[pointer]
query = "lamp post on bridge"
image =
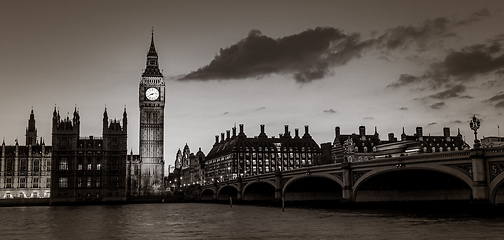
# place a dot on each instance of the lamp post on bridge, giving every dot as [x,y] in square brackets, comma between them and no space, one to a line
[475,124]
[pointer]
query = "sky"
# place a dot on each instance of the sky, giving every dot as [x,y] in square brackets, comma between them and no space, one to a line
[387,64]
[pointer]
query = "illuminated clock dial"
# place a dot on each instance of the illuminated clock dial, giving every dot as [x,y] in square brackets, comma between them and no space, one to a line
[152,94]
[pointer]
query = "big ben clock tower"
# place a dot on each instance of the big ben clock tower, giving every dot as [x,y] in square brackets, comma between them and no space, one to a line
[151,103]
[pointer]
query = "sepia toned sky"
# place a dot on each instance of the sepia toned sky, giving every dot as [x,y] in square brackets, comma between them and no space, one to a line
[386,63]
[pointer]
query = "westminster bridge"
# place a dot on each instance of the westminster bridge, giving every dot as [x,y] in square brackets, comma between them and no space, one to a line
[475,174]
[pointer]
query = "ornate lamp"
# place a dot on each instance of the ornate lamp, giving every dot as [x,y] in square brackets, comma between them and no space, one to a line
[475,124]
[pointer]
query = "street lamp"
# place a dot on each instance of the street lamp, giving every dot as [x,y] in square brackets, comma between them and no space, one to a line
[475,124]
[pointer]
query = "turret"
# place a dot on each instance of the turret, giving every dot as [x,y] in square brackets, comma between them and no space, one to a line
[31,131]
[125,121]
[105,121]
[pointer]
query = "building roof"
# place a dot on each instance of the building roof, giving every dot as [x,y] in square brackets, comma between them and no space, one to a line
[241,141]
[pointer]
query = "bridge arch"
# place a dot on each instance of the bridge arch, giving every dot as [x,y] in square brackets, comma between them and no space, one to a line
[226,192]
[259,190]
[411,176]
[207,194]
[313,187]
[493,188]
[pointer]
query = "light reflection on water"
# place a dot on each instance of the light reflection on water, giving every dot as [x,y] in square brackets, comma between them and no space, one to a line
[214,221]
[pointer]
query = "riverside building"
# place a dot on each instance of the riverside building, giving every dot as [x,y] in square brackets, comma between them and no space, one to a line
[88,169]
[26,170]
[237,155]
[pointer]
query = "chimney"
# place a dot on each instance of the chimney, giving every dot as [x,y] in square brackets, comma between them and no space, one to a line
[419,133]
[234,131]
[362,133]
[446,131]
[296,130]
[337,132]
[216,139]
[228,134]
[222,137]
[286,129]
[262,134]
[241,134]
[306,132]
[391,137]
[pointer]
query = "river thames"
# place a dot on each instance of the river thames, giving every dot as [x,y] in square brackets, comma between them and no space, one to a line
[218,221]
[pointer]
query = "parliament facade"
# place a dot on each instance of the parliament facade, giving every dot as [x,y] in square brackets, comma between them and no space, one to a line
[88,169]
[26,170]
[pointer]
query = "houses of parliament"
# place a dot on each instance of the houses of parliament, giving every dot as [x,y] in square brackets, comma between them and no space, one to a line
[86,169]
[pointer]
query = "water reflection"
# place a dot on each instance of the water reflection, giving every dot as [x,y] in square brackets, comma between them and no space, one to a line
[213,221]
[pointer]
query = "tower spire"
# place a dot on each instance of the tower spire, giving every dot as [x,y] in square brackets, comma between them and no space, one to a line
[152,67]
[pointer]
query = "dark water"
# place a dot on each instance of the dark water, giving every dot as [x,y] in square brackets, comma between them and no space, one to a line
[214,221]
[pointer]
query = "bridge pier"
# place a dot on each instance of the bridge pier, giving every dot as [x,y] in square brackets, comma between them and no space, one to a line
[348,195]
[240,190]
[480,182]
[216,190]
[278,185]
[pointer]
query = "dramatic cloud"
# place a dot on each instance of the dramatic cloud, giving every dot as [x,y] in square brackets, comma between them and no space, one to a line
[312,54]
[450,93]
[329,111]
[497,99]
[307,56]
[437,105]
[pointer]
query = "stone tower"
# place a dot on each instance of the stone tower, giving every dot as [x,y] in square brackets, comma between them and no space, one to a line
[151,103]
[31,131]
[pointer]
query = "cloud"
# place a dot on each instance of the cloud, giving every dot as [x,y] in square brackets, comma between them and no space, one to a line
[475,17]
[456,122]
[312,54]
[403,108]
[306,56]
[329,111]
[421,35]
[368,118]
[225,113]
[437,105]
[405,79]
[497,99]
[261,108]
[450,93]
[432,123]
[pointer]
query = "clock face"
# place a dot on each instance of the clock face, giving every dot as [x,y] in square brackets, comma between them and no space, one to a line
[152,94]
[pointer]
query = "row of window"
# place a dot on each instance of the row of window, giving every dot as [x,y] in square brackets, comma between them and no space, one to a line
[22,166]
[87,182]
[22,183]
